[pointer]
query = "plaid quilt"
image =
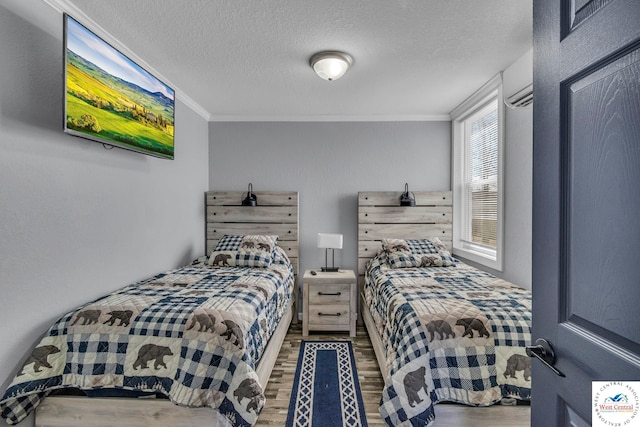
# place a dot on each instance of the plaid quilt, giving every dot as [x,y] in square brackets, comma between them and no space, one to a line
[193,334]
[453,334]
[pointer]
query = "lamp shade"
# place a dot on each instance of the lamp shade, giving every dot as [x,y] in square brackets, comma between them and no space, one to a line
[329,241]
[330,65]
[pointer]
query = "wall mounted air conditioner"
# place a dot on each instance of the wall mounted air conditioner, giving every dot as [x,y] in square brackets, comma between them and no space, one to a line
[522,98]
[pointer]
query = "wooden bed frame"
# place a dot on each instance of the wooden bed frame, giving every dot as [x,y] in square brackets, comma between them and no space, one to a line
[380,216]
[276,213]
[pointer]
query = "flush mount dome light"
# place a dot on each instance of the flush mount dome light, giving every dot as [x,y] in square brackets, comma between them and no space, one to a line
[330,65]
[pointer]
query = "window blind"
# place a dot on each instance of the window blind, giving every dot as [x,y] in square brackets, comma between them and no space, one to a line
[481,176]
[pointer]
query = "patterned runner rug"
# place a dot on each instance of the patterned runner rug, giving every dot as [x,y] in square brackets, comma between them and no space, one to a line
[326,391]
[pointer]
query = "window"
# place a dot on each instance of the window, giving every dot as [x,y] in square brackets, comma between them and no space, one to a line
[477,176]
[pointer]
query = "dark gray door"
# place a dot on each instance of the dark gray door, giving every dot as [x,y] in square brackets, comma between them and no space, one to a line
[586,202]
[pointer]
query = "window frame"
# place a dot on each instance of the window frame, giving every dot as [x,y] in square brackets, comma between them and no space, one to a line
[489,92]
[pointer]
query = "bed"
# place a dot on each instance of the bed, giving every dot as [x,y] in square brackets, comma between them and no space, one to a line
[194,345]
[442,330]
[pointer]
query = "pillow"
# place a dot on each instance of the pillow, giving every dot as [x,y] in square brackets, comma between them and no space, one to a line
[403,253]
[280,256]
[251,250]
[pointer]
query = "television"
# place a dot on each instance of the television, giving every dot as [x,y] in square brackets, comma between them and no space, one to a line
[110,99]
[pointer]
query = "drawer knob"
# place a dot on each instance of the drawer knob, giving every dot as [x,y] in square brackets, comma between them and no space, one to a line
[330,293]
[330,314]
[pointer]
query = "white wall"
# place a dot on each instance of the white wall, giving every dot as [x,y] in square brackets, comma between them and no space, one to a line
[518,182]
[76,220]
[328,163]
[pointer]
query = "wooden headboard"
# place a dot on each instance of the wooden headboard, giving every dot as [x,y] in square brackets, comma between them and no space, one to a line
[381,216]
[276,214]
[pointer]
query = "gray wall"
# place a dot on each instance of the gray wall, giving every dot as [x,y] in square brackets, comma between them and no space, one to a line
[328,163]
[518,176]
[71,211]
[76,220]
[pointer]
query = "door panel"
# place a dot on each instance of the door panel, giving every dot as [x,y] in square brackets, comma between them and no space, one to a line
[603,154]
[586,201]
[574,419]
[581,10]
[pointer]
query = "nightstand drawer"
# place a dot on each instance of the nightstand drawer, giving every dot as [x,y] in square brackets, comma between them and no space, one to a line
[329,294]
[329,314]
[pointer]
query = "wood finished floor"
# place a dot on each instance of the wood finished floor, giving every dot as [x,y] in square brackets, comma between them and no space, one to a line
[278,390]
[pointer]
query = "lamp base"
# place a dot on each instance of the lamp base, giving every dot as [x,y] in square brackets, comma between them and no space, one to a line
[330,269]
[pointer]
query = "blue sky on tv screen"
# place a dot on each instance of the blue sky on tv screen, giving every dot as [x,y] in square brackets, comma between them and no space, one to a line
[89,46]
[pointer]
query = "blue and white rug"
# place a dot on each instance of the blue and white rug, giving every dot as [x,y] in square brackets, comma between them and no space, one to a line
[326,391]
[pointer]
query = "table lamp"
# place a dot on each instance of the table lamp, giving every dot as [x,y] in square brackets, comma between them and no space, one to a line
[329,241]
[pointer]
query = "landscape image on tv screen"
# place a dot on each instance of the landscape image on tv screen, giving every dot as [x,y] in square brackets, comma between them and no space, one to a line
[112,100]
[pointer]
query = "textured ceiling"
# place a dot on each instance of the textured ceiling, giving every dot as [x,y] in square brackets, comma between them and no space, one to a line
[248,59]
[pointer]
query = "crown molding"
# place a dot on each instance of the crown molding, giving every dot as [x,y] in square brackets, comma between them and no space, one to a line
[483,92]
[332,118]
[64,6]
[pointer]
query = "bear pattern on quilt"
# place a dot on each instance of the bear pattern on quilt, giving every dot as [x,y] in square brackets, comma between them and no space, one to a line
[193,334]
[39,358]
[451,333]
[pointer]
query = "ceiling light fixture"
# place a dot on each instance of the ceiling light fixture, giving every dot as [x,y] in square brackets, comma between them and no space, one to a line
[330,65]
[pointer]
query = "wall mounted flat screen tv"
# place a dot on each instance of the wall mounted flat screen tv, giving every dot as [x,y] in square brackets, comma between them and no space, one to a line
[111,99]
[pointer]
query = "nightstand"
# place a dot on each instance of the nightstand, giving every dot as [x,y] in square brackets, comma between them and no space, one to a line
[329,301]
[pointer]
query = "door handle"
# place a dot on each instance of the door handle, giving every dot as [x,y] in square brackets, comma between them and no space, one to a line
[544,353]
